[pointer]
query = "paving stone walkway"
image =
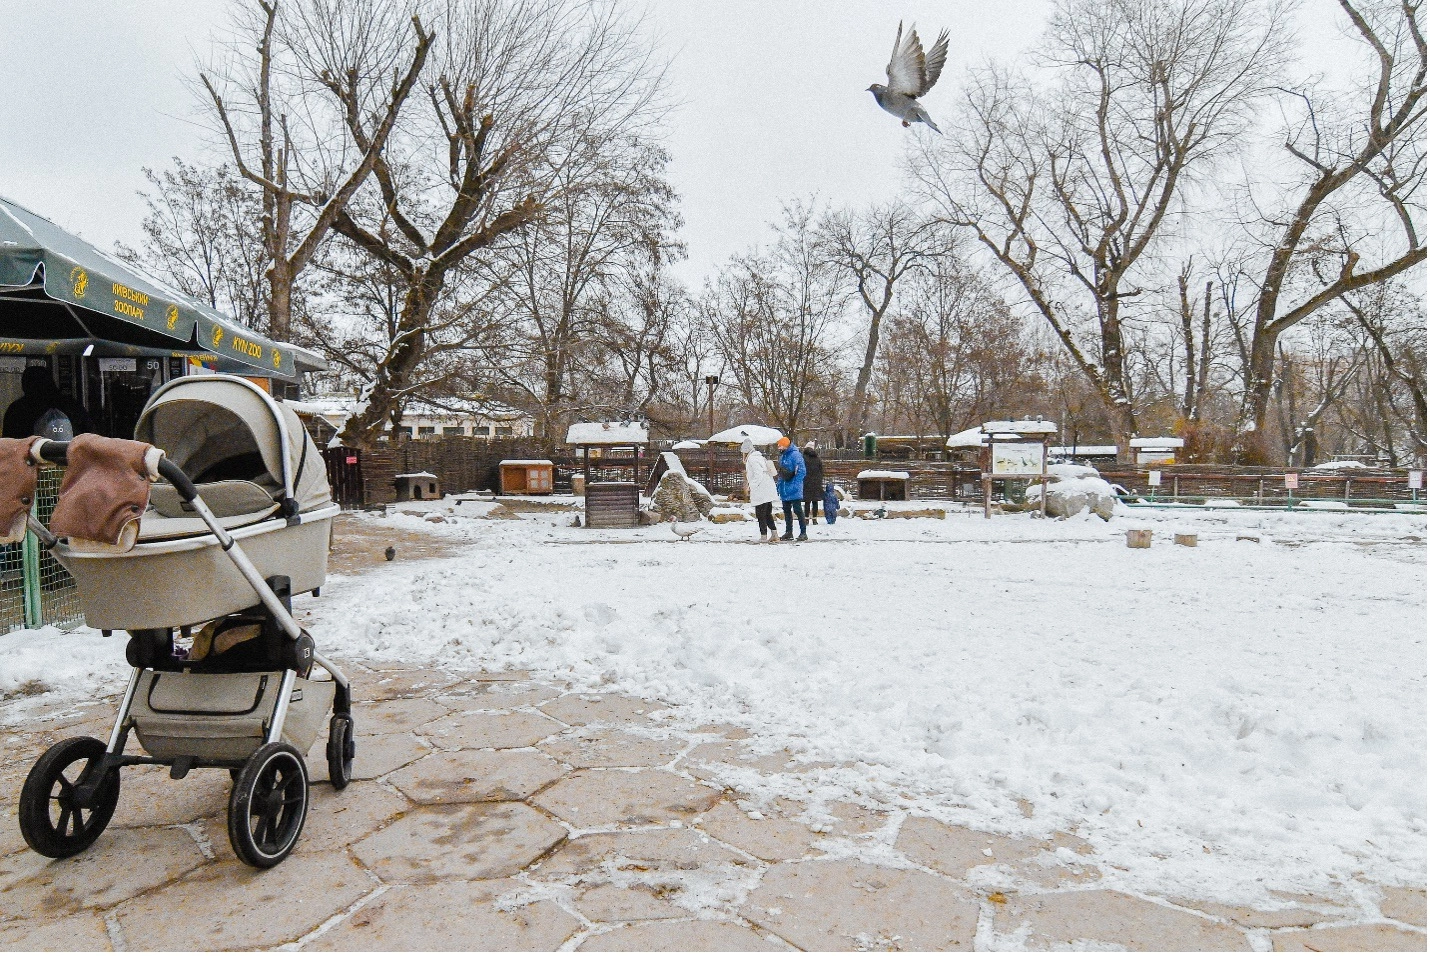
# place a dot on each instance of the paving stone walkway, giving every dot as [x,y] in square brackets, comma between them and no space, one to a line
[494,812]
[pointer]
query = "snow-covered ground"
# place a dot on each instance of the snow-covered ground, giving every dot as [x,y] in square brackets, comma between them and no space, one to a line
[1216,721]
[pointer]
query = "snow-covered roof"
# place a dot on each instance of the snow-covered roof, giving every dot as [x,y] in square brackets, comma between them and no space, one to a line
[1338,465]
[416,474]
[968,438]
[607,433]
[1159,443]
[526,461]
[1027,426]
[342,406]
[673,462]
[757,434]
[894,475]
[1072,451]
[687,445]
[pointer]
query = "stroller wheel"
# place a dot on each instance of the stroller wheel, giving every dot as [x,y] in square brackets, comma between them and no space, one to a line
[53,821]
[268,805]
[341,750]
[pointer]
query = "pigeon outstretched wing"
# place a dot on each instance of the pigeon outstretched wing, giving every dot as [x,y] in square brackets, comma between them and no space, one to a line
[906,65]
[910,71]
[933,63]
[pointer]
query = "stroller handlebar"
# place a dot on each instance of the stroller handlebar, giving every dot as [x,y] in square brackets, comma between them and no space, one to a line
[158,464]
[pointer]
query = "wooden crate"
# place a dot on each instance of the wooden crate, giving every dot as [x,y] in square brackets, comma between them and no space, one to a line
[612,504]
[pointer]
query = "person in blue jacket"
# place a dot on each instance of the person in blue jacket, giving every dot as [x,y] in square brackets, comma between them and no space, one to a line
[791,488]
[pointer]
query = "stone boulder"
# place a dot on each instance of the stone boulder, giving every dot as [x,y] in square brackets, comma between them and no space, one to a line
[1073,489]
[680,498]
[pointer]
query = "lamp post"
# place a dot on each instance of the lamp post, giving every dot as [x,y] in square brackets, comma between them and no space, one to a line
[710,382]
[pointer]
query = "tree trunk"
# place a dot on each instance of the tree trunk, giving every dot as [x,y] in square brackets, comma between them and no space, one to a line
[854,422]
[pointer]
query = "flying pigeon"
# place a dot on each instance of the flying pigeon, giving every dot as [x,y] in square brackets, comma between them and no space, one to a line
[911,75]
[684,530]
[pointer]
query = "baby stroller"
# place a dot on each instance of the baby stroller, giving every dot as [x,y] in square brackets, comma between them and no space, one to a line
[238,520]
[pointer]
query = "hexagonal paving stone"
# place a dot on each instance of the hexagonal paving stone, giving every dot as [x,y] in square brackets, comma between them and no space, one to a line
[589,747]
[418,683]
[228,905]
[451,916]
[954,851]
[704,762]
[1255,918]
[1405,904]
[842,905]
[616,904]
[497,695]
[595,798]
[1372,937]
[1104,919]
[489,731]
[121,864]
[581,709]
[771,838]
[394,716]
[469,776]
[377,756]
[690,936]
[337,818]
[148,798]
[638,856]
[69,934]
[459,842]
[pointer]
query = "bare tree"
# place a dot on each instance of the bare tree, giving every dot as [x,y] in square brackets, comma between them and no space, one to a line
[1070,184]
[772,316]
[519,92]
[1359,170]
[201,235]
[282,142]
[878,249]
[609,219]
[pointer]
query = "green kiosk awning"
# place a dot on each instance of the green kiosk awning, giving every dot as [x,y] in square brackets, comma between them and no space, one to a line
[59,294]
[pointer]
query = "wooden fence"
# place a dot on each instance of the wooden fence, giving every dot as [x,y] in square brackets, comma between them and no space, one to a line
[470,464]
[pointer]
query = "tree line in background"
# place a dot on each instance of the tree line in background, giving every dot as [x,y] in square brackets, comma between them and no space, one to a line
[1155,224]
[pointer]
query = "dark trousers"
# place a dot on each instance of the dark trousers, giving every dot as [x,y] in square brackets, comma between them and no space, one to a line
[811,508]
[794,509]
[765,515]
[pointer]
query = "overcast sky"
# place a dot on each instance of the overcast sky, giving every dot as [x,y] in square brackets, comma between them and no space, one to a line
[771,94]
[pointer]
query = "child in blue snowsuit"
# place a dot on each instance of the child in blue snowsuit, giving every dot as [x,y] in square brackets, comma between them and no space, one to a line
[790,485]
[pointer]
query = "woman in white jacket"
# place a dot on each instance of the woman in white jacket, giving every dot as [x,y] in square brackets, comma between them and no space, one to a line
[760,483]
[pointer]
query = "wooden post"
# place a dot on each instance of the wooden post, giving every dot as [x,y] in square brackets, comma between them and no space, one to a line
[988,496]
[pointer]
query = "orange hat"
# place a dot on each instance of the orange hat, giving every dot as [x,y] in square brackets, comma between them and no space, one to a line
[782,443]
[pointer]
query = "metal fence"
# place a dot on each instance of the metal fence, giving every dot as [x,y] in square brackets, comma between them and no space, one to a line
[34,589]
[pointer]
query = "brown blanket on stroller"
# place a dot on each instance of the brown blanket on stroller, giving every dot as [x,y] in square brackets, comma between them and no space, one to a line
[105,491]
[18,477]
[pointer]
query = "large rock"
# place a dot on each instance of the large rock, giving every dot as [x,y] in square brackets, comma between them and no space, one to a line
[1073,489]
[679,497]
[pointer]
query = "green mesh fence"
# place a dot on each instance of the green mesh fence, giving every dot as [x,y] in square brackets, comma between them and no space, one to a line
[34,589]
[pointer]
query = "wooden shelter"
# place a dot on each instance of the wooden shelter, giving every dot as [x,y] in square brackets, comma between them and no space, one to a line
[1015,450]
[527,476]
[418,486]
[875,485]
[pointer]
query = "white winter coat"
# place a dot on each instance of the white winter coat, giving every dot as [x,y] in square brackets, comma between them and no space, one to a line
[760,476]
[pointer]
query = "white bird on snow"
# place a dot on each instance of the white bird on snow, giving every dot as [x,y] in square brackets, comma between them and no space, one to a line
[685,530]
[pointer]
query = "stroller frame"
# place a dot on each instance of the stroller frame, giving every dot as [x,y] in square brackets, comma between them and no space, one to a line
[274,767]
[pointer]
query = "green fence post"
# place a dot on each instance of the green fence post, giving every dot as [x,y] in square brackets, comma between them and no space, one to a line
[30,564]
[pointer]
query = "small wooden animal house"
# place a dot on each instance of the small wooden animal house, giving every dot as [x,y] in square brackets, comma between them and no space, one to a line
[526,476]
[883,485]
[418,486]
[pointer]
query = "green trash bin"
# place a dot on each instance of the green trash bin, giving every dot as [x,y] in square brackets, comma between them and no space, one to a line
[871,446]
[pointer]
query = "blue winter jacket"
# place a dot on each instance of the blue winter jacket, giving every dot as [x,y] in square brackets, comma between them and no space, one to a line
[791,488]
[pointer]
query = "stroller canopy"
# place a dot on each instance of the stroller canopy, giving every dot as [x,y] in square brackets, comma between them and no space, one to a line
[224,428]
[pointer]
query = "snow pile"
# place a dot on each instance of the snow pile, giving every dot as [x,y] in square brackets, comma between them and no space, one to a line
[49,661]
[1339,465]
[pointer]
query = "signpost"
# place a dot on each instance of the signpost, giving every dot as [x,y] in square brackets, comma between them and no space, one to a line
[1416,481]
[1293,481]
[1017,450]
